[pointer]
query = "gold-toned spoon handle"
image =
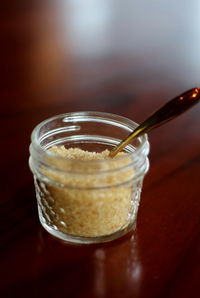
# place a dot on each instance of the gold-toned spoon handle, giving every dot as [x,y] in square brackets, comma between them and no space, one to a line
[170,110]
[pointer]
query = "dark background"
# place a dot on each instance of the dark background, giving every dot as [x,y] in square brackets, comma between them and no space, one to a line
[125,57]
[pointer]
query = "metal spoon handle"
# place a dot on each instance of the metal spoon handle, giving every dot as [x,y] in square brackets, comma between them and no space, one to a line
[170,110]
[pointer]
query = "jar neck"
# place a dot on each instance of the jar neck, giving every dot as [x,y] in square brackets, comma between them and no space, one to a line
[129,167]
[84,129]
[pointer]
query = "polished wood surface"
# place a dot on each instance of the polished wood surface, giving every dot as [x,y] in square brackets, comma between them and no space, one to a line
[123,57]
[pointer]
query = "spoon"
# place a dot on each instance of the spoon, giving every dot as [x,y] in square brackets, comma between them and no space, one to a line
[170,110]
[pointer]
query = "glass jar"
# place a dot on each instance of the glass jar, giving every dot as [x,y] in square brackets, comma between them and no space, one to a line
[87,201]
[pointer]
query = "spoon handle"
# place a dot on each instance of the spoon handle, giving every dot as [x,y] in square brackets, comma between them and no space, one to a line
[170,110]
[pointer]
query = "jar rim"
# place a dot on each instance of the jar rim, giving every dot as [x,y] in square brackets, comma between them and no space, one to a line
[114,118]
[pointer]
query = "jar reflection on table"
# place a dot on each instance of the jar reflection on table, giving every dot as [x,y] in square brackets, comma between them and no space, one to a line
[106,270]
[117,269]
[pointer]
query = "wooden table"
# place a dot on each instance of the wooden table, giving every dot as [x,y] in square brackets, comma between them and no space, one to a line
[123,57]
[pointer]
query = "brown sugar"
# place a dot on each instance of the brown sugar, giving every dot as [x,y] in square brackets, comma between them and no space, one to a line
[91,196]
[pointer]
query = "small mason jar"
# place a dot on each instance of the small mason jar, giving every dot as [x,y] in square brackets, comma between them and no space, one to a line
[87,201]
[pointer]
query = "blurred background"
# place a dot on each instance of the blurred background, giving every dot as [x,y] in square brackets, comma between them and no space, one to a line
[97,54]
[127,57]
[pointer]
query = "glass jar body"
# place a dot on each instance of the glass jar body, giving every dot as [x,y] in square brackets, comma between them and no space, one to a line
[87,201]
